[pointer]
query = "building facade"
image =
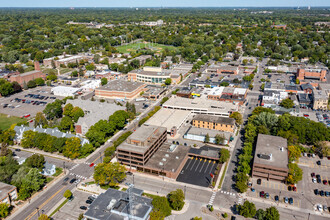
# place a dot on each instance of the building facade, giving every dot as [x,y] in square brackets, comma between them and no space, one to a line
[8,193]
[24,78]
[319,74]
[214,123]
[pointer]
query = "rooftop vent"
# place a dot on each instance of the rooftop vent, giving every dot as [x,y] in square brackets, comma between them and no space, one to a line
[164,159]
[111,203]
[161,163]
[166,155]
[265,156]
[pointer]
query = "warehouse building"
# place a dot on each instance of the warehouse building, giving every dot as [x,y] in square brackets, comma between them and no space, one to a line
[271,158]
[65,91]
[120,89]
[199,134]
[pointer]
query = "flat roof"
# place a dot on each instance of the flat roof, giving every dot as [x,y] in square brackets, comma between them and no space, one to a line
[269,146]
[65,89]
[206,151]
[114,204]
[121,86]
[168,118]
[168,157]
[5,189]
[142,134]
[204,105]
[214,119]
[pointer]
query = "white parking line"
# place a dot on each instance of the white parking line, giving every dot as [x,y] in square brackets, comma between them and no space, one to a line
[197,165]
[207,167]
[193,164]
[202,167]
[188,164]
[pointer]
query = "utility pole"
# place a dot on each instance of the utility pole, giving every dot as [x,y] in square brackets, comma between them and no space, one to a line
[100,156]
[38,212]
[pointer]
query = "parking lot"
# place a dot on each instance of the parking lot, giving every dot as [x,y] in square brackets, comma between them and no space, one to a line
[197,171]
[71,210]
[275,188]
[27,102]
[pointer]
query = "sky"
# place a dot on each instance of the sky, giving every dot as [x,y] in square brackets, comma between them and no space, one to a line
[164,3]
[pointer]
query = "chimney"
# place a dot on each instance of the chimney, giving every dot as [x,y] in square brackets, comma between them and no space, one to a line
[36,65]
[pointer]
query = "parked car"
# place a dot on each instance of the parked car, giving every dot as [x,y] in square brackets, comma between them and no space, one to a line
[83,207]
[327,194]
[91,198]
[325,182]
[267,195]
[290,201]
[259,181]
[314,180]
[276,198]
[253,189]
[286,200]
[262,194]
[319,207]
[325,207]
[294,189]
[88,201]
[66,179]
[319,180]
[318,163]
[313,174]
[72,180]
[316,192]
[321,193]
[18,150]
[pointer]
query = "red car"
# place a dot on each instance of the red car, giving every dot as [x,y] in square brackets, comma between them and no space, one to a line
[262,194]
[325,182]
[91,165]
[313,174]
[306,115]
[294,189]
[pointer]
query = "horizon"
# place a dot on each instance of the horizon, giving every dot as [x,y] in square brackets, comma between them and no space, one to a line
[164,4]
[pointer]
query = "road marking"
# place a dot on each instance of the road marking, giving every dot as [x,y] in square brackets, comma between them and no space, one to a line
[201,167]
[188,164]
[193,164]
[197,166]
[98,157]
[43,204]
[206,167]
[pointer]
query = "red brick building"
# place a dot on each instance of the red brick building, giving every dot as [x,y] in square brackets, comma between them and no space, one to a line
[319,74]
[26,77]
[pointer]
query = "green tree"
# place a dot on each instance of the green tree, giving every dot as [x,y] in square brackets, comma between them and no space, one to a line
[4,210]
[238,117]
[224,155]
[86,149]
[168,81]
[67,194]
[67,110]
[31,183]
[90,67]
[31,84]
[160,203]
[28,139]
[76,113]
[104,81]
[109,173]
[6,88]
[6,139]
[272,214]
[294,153]
[198,218]
[176,199]
[53,110]
[207,138]
[72,148]
[248,209]
[241,181]
[156,215]
[260,214]
[259,109]
[35,161]
[40,120]
[287,103]
[8,167]
[219,139]
[295,173]
[40,81]
[66,123]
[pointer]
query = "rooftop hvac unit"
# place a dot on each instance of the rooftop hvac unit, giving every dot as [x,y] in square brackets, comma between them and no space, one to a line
[161,163]
[164,159]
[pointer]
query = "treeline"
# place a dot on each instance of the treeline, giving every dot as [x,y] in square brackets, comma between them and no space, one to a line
[104,129]
[150,114]
[297,130]
[69,147]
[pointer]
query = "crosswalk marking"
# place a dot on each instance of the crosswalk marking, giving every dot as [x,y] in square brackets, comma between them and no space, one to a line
[212,198]
[228,193]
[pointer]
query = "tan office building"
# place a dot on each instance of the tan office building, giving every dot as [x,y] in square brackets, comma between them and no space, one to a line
[214,122]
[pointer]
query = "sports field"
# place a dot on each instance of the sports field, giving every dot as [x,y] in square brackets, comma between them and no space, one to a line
[139,45]
[6,122]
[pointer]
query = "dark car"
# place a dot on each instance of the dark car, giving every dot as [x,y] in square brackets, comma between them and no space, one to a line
[258,181]
[277,198]
[318,163]
[318,176]
[325,182]
[327,194]
[316,191]
[319,180]
[73,180]
[291,201]
[83,207]
[233,218]
[262,194]
[321,193]
[289,188]
[88,201]
[313,174]
[18,150]
[66,179]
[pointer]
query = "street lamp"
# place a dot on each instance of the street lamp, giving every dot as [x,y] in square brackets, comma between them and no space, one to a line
[64,167]
[185,191]
[100,156]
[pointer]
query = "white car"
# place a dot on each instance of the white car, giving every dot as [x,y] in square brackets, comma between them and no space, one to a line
[95,196]
[319,207]
[314,180]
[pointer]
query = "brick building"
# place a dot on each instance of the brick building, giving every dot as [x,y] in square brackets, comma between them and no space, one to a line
[120,89]
[26,77]
[271,158]
[319,74]
[214,123]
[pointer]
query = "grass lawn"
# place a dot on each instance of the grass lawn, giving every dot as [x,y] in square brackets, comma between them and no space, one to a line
[138,45]
[58,171]
[6,122]
[65,70]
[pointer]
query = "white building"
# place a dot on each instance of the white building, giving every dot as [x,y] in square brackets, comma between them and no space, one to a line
[90,85]
[65,91]
[49,169]
[271,98]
